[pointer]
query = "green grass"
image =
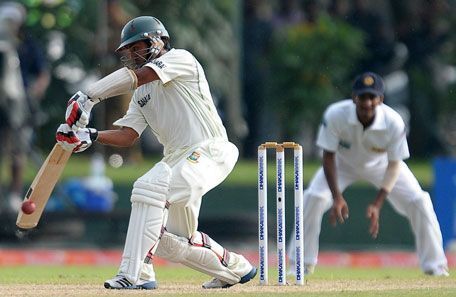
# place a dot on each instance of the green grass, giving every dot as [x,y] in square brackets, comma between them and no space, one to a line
[181,281]
[54,274]
[244,174]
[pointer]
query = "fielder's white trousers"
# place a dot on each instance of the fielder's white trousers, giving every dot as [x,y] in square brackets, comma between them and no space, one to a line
[407,198]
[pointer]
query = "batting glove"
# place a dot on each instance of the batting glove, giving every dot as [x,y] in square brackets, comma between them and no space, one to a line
[87,137]
[77,114]
[75,141]
[67,138]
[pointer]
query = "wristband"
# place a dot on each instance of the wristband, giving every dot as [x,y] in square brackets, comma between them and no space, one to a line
[390,177]
[93,134]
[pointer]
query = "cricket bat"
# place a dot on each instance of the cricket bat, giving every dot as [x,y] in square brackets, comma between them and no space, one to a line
[42,186]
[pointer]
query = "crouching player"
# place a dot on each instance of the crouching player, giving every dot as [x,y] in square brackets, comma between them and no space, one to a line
[364,139]
[172,97]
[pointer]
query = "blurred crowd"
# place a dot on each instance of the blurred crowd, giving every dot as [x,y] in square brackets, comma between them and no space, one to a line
[24,78]
[404,40]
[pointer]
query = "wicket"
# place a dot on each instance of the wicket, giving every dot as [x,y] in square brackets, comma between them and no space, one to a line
[280,196]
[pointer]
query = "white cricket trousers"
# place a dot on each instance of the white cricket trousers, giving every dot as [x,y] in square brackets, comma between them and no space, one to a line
[407,198]
[199,170]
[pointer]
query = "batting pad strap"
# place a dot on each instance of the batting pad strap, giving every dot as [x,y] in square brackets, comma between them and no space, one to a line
[150,254]
[201,239]
[226,258]
[205,240]
[179,249]
[119,82]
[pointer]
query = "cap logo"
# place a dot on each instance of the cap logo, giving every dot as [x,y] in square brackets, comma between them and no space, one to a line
[368,81]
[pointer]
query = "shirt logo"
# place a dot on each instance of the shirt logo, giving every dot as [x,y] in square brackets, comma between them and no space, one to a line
[194,157]
[143,101]
[378,150]
[345,144]
[158,63]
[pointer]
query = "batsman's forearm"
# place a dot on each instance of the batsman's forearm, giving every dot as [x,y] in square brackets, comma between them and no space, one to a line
[124,137]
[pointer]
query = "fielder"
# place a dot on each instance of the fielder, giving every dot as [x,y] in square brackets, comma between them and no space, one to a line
[171,97]
[364,139]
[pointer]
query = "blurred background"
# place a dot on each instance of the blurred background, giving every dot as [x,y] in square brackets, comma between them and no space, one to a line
[273,67]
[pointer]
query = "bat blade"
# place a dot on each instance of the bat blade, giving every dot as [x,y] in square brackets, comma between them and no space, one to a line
[42,186]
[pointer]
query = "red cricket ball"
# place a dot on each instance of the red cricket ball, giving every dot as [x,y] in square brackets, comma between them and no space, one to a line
[28,207]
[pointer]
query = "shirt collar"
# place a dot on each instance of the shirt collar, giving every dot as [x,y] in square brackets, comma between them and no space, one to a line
[379,121]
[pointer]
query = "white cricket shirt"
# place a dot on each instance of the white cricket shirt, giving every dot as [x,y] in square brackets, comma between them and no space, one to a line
[179,107]
[341,132]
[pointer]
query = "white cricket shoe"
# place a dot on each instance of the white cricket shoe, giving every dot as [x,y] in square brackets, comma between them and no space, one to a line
[439,271]
[216,283]
[121,282]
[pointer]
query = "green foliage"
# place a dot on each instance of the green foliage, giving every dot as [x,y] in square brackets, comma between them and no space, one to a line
[50,15]
[208,28]
[314,64]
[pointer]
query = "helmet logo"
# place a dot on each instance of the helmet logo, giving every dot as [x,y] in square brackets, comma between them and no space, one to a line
[132,27]
[159,32]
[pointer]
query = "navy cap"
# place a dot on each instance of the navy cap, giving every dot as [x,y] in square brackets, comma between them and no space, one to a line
[370,83]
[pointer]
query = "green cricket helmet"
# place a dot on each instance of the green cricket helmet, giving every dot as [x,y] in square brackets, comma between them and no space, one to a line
[141,28]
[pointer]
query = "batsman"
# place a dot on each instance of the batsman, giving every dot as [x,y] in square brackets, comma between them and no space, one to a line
[171,97]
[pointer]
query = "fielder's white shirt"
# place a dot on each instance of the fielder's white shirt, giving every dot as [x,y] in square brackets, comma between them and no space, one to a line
[384,140]
[178,108]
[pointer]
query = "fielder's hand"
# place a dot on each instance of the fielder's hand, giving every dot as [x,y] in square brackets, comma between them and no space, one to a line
[373,214]
[77,114]
[339,211]
[75,141]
